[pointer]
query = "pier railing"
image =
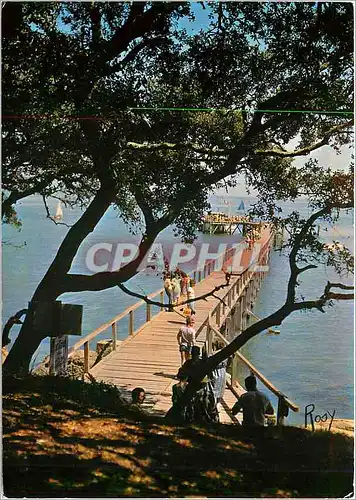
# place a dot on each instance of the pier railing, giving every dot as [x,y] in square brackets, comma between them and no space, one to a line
[236,291]
[283,401]
[220,311]
[198,275]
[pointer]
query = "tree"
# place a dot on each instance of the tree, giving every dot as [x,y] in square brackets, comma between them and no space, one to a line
[334,193]
[86,66]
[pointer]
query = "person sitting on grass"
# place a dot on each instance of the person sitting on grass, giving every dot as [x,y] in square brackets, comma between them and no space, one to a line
[138,396]
[254,404]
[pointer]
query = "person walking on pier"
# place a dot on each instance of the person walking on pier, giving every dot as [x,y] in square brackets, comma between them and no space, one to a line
[191,296]
[176,290]
[254,404]
[186,339]
[168,287]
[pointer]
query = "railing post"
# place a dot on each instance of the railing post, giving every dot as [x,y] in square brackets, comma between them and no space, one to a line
[86,357]
[229,298]
[209,336]
[243,312]
[234,370]
[218,313]
[195,276]
[204,272]
[131,323]
[113,331]
[161,296]
[199,276]
[282,410]
[148,312]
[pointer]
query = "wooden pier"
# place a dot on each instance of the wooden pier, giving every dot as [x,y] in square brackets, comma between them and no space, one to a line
[149,357]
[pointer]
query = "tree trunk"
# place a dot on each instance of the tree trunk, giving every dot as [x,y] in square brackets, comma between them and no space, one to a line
[19,358]
[51,286]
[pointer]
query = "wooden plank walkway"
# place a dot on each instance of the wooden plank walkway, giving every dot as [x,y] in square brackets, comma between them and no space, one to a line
[151,359]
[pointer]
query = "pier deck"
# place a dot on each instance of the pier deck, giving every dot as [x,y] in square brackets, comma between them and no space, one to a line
[151,358]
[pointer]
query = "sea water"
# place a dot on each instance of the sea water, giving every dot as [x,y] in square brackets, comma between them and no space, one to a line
[311,361]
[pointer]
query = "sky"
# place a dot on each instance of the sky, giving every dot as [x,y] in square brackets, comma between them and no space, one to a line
[325,155]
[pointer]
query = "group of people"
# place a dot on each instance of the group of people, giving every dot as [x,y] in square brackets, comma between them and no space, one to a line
[203,407]
[178,284]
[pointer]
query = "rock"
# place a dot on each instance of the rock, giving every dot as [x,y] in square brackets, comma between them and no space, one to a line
[75,368]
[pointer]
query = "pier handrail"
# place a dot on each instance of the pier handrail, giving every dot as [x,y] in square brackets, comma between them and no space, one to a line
[106,325]
[267,383]
[216,309]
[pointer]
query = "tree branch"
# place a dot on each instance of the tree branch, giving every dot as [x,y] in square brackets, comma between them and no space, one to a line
[167,146]
[301,270]
[50,285]
[138,24]
[15,196]
[295,271]
[49,216]
[150,42]
[14,320]
[146,298]
[338,129]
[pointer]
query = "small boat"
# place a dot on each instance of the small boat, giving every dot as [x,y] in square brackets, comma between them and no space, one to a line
[59,212]
[241,206]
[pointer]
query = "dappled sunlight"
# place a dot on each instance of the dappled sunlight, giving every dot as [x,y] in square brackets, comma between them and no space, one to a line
[72,454]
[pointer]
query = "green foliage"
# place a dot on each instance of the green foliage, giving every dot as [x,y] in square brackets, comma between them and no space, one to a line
[73,74]
[66,61]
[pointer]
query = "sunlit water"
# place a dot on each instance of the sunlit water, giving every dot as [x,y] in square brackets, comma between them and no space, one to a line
[311,360]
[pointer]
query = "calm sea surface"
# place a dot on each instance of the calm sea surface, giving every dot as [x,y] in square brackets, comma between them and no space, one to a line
[311,360]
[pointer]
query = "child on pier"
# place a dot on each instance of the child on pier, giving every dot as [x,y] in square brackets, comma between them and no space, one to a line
[186,339]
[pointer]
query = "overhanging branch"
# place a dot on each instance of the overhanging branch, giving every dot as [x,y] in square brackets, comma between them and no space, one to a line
[146,298]
[168,146]
[338,129]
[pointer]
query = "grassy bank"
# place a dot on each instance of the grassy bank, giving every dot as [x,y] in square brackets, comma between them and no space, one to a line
[66,438]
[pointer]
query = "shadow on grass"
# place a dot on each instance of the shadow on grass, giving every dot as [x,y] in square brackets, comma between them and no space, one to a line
[56,444]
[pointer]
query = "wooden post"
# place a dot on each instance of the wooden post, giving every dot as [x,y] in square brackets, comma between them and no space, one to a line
[243,312]
[281,410]
[209,335]
[199,276]
[238,323]
[113,331]
[86,357]
[161,296]
[229,298]
[131,323]
[234,370]
[148,312]
[218,313]
[51,356]
[195,276]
